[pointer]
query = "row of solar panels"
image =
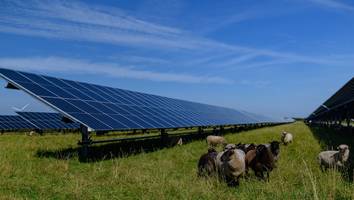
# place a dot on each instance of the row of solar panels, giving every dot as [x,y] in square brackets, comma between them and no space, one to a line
[35,120]
[344,96]
[103,108]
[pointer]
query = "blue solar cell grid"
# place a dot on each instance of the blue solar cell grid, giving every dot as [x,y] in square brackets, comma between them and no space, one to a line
[107,108]
[48,121]
[11,122]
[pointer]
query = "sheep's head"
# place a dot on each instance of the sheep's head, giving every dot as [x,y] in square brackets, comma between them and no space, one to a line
[283,134]
[275,147]
[260,149]
[343,152]
[251,147]
[241,146]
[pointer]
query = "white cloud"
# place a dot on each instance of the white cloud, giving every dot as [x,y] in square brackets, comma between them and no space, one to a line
[59,64]
[74,21]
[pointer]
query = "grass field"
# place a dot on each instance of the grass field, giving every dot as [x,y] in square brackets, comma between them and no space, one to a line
[167,173]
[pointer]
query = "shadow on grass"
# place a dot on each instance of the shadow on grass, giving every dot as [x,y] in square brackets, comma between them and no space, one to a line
[120,149]
[130,147]
[331,138]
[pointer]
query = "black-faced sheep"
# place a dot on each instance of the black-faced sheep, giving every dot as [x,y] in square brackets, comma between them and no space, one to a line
[231,166]
[286,138]
[213,140]
[207,163]
[260,160]
[334,159]
[274,147]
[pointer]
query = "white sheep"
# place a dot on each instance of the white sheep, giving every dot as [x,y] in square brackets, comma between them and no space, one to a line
[31,133]
[286,137]
[180,142]
[231,165]
[213,140]
[334,159]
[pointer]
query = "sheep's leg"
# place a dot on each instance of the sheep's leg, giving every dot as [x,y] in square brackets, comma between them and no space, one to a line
[247,174]
[267,176]
[231,182]
[261,175]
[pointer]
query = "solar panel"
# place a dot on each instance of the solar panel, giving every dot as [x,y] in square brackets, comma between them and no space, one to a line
[13,122]
[259,118]
[343,96]
[105,108]
[48,121]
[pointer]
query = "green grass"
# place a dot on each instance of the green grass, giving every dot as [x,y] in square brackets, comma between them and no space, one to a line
[164,174]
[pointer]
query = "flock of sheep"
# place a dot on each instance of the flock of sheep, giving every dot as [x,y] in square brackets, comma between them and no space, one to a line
[235,160]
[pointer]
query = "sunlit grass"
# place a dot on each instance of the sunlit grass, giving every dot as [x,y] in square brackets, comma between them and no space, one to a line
[163,174]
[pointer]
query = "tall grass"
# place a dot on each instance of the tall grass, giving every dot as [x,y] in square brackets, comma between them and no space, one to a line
[163,174]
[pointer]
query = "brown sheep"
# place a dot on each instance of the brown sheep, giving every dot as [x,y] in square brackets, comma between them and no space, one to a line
[260,160]
[207,163]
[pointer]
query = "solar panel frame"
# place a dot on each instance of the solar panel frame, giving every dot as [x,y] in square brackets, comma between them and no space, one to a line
[124,109]
[48,121]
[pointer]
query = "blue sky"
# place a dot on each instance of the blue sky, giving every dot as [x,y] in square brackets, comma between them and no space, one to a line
[276,58]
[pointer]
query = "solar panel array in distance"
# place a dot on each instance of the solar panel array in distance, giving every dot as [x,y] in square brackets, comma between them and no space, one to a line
[259,118]
[106,108]
[48,121]
[13,122]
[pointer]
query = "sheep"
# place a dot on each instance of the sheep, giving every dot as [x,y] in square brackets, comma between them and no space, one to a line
[229,146]
[213,140]
[260,160]
[31,133]
[231,166]
[274,148]
[286,138]
[334,159]
[180,142]
[207,163]
[246,147]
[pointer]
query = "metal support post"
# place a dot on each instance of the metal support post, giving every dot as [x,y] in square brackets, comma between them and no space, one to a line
[85,141]
[200,130]
[164,137]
